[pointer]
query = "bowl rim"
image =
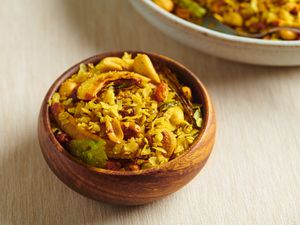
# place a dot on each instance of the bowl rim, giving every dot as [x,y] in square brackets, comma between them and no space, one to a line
[216,34]
[207,112]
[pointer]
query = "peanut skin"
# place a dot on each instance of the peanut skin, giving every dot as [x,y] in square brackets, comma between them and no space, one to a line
[161,92]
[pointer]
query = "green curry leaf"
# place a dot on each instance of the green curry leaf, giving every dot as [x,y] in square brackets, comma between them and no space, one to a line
[168,105]
[197,117]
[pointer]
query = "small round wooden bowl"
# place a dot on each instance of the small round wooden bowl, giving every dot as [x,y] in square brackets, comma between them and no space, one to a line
[130,187]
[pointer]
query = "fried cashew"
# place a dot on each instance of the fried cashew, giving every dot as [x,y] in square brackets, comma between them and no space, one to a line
[90,88]
[169,142]
[114,130]
[111,64]
[143,65]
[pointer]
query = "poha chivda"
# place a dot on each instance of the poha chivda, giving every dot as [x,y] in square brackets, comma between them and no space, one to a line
[124,114]
[248,16]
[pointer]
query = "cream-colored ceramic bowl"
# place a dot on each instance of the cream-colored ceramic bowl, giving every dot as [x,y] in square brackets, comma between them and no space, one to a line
[231,47]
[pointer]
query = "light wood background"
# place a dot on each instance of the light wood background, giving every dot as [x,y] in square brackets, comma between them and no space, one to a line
[252,177]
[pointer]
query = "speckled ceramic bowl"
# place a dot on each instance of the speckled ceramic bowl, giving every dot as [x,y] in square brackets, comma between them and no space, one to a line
[220,44]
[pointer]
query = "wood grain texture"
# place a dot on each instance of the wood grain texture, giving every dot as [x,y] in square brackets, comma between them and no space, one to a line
[135,187]
[252,176]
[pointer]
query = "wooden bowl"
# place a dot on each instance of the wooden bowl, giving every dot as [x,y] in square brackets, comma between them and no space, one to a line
[130,187]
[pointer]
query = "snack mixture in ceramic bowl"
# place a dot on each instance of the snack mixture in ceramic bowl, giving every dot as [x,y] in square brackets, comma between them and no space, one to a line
[246,17]
[219,27]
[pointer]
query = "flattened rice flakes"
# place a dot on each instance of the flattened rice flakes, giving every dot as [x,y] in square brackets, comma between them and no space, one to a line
[126,117]
[248,16]
[256,16]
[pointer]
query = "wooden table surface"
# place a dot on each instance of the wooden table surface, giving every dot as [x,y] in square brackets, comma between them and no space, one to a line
[252,176]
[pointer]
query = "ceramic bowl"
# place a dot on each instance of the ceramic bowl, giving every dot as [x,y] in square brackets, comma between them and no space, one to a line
[130,187]
[231,47]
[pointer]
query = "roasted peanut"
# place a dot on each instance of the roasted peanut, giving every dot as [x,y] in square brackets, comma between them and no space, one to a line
[167,5]
[161,92]
[288,35]
[131,131]
[233,19]
[113,165]
[134,167]
[182,13]
[127,111]
[187,92]
[63,138]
